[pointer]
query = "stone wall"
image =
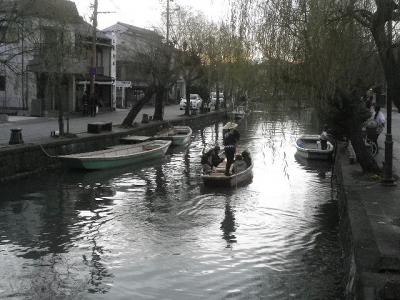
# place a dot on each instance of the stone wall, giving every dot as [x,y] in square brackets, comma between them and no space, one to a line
[19,161]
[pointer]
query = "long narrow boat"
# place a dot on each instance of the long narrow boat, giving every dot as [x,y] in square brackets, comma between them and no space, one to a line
[179,135]
[116,156]
[218,177]
[308,146]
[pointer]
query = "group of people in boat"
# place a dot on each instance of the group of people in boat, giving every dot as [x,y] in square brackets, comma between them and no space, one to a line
[235,163]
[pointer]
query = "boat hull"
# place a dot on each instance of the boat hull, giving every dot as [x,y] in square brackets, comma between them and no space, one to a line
[220,180]
[307,147]
[180,135]
[99,163]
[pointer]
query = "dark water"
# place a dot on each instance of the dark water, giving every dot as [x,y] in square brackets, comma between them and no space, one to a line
[155,232]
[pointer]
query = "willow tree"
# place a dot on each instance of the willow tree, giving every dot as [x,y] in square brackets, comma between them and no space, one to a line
[379,17]
[311,47]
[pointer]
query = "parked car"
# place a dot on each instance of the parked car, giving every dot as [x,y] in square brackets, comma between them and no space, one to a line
[195,102]
[213,97]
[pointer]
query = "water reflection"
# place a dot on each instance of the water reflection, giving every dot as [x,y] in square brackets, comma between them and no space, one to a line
[228,225]
[154,231]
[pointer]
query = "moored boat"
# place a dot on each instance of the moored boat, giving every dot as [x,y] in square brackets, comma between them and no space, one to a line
[238,113]
[116,156]
[308,146]
[179,135]
[218,178]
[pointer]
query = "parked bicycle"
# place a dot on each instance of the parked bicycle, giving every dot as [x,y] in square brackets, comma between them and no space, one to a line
[370,137]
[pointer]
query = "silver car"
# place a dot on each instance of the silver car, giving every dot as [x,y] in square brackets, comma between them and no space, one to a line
[195,102]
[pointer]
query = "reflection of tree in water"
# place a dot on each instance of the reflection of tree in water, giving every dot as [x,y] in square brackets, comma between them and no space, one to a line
[156,190]
[89,200]
[98,272]
[228,225]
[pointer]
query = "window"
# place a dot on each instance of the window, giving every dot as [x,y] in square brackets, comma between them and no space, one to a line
[2,83]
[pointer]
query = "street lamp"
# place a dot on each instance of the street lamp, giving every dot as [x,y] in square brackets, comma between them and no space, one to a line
[388,179]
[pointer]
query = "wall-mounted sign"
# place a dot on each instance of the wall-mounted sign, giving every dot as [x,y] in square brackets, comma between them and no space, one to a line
[123,84]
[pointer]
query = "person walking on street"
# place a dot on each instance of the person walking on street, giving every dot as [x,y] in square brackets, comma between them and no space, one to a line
[93,105]
[231,138]
[85,104]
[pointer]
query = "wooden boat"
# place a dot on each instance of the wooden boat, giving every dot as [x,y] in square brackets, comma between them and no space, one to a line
[308,146]
[238,113]
[218,177]
[116,156]
[179,135]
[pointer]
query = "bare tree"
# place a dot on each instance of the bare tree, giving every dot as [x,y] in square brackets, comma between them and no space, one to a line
[157,66]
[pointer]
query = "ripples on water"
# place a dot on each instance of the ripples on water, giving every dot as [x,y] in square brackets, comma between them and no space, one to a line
[154,232]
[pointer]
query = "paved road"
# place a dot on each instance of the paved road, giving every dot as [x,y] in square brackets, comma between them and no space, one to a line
[35,129]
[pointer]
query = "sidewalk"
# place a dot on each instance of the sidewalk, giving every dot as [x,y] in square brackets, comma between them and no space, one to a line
[374,218]
[35,129]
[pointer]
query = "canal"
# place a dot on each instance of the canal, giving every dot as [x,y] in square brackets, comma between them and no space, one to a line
[155,232]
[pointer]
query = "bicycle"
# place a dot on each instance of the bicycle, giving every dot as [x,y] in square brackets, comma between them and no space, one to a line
[370,137]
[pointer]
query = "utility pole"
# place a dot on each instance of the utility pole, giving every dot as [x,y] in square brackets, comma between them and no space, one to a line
[94,54]
[168,21]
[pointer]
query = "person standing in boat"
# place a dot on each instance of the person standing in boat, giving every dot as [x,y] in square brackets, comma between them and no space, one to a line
[210,159]
[324,138]
[231,138]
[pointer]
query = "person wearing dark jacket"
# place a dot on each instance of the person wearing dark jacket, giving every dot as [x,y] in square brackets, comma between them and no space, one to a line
[210,159]
[231,138]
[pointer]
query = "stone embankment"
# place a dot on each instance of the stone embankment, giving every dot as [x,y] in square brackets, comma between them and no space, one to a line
[23,160]
[370,230]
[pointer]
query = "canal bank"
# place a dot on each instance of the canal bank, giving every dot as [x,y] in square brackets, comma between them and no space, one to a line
[370,228]
[20,161]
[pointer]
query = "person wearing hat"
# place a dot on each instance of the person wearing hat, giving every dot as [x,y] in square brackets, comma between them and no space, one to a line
[239,165]
[210,159]
[231,137]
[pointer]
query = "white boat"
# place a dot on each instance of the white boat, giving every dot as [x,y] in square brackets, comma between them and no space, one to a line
[238,113]
[309,146]
[179,135]
[116,156]
[218,177]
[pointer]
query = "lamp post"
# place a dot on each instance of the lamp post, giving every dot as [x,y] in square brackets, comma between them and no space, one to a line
[388,179]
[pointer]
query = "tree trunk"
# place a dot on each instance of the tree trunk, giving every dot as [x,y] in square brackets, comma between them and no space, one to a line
[60,105]
[128,121]
[159,105]
[217,100]
[187,109]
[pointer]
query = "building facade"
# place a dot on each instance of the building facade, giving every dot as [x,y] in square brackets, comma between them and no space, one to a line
[46,47]
[132,80]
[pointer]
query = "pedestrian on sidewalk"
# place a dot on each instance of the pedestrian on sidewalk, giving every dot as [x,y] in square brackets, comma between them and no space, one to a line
[85,104]
[93,105]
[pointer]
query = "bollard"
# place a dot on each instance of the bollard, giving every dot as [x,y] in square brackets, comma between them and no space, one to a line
[145,118]
[16,136]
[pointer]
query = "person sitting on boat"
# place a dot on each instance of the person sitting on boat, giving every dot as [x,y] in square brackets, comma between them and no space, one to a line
[211,159]
[246,157]
[239,165]
[324,138]
[231,138]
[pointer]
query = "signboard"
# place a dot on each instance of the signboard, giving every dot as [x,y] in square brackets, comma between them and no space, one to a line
[123,84]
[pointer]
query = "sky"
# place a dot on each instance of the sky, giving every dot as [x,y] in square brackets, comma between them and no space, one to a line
[146,13]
